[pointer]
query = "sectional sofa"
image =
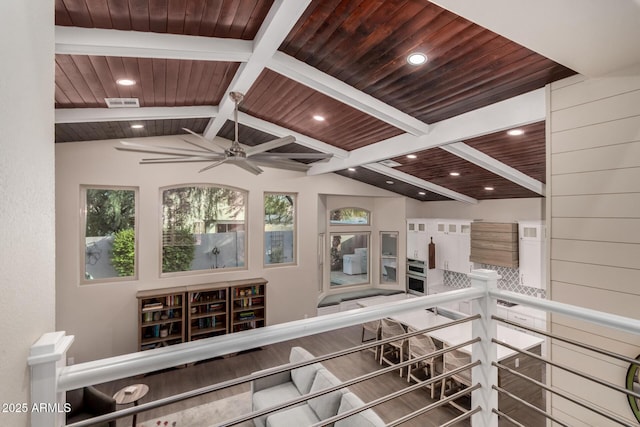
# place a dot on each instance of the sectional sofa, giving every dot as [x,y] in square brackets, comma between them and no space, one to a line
[278,388]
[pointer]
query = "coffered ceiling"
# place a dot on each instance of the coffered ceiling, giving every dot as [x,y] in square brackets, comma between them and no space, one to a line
[294,59]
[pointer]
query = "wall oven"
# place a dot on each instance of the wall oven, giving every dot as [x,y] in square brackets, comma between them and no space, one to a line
[416,277]
[416,267]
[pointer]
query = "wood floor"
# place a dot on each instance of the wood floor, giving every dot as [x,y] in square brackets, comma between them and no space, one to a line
[173,381]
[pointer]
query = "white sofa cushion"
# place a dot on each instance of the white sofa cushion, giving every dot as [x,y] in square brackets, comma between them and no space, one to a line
[366,418]
[297,416]
[303,377]
[327,405]
[272,396]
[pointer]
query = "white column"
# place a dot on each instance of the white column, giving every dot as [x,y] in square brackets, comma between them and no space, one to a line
[485,350]
[46,357]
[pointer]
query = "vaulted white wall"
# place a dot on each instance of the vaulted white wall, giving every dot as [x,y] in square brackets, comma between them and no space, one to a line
[27,233]
[493,210]
[103,316]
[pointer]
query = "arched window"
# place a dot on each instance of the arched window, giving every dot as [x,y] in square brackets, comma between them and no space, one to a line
[203,228]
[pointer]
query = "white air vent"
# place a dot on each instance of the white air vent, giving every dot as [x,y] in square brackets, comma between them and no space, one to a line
[389,163]
[122,102]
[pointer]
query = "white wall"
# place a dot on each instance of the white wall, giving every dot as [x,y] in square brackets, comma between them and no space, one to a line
[27,265]
[498,210]
[594,149]
[103,316]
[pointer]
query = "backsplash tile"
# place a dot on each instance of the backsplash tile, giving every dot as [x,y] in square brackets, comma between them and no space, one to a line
[509,281]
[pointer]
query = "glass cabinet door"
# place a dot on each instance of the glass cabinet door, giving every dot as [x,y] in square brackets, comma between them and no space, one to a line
[388,257]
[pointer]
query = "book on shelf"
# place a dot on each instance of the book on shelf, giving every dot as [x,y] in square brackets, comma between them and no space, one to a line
[152,306]
[173,300]
[216,307]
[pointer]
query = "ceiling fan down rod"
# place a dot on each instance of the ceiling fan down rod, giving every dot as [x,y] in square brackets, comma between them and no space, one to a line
[237,98]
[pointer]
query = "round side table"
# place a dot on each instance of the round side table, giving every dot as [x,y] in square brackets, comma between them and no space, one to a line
[131,394]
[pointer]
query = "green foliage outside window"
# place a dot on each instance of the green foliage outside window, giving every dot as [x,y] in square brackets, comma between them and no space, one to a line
[109,233]
[178,257]
[123,253]
[203,228]
[109,211]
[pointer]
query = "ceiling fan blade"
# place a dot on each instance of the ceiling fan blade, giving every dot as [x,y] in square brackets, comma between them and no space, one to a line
[202,146]
[150,151]
[307,156]
[246,165]
[203,138]
[283,164]
[270,145]
[212,165]
[159,160]
[146,147]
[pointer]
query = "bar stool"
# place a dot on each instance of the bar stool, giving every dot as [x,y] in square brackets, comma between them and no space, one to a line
[373,328]
[452,360]
[418,346]
[394,351]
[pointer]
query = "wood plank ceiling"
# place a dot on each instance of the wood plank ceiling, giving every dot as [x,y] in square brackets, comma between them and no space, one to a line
[343,60]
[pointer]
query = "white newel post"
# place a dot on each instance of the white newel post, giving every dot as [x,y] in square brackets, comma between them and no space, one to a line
[46,357]
[485,350]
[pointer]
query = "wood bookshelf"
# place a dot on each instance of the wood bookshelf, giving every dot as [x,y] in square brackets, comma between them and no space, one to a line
[248,304]
[161,317]
[208,308]
[187,313]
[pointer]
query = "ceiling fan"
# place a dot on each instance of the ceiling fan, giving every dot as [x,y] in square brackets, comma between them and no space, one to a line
[249,159]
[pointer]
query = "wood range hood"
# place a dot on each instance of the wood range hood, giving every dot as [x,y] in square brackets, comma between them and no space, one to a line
[494,243]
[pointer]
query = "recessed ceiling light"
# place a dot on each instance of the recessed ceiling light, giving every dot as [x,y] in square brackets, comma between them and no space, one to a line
[488,188]
[351,169]
[318,118]
[454,173]
[417,58]
[411,156]
[422,193]
[126,82]
[389,182]
[515,132]
[137,126]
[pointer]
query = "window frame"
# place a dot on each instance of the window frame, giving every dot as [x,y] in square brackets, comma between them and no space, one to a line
[161,191]
[368,235]
[357,224]
[295,230]
[83,232]
[383,257]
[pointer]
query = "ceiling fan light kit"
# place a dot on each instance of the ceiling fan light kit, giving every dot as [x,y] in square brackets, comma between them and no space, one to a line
[250,159]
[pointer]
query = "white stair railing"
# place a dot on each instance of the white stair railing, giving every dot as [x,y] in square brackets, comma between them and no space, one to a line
[50,378]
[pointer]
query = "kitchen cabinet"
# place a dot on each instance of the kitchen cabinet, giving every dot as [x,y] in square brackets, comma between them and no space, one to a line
[494,243]
[526,316]
[453,245]
[531,248]
[417,239]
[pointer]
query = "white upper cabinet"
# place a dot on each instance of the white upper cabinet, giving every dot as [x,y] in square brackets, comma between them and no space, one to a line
[417,239]
[453,245]
[531,247]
